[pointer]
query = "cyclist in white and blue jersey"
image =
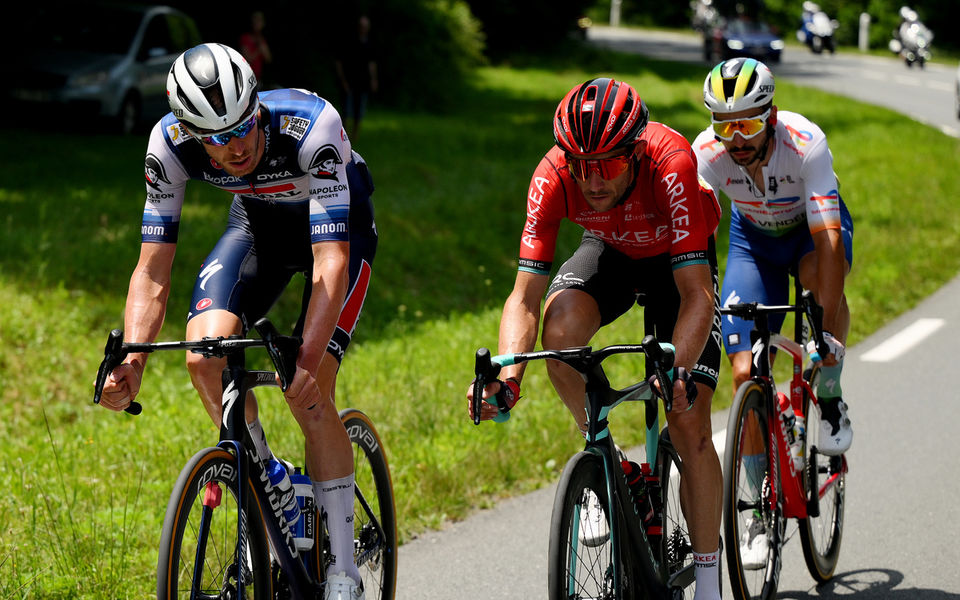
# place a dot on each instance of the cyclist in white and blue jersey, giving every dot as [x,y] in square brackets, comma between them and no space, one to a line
[786,215]
[301,204]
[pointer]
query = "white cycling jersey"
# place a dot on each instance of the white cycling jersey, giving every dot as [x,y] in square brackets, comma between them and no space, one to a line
[799,183]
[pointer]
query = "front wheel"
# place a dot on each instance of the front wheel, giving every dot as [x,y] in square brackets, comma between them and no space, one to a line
[201,555]
[676,548]
[820,534]
[585,560]
[374,513]
[752,522]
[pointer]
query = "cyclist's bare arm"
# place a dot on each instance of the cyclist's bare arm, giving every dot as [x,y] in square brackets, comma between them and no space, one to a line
[694,320]
[329,290]
[520,320]
[831,270]
[143,316]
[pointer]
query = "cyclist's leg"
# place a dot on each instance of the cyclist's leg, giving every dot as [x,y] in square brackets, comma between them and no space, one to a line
[701,485]
[329,453]
[587,293]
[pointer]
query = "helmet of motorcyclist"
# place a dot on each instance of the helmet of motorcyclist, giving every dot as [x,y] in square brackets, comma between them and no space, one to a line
[598,116]
[211,89]
[738,84]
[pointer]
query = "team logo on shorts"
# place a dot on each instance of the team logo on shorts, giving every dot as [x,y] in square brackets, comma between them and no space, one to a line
[324,163]
[205,303]
[154,172]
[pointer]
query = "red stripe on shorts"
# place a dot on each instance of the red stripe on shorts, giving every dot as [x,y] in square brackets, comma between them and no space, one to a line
[351,308]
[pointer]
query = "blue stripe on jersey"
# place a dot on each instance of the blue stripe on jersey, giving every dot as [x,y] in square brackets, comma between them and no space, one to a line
[159,229]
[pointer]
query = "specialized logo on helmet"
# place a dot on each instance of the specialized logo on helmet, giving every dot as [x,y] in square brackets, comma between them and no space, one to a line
[324,162]
[154,172]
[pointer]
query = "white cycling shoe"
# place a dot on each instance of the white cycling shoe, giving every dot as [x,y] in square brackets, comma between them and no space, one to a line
[342,587]
[754,545]
[836,433]
[594,529]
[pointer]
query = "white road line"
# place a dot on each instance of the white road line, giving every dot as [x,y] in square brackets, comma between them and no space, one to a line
[903,341]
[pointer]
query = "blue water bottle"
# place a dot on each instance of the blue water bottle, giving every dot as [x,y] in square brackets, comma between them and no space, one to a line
[280,479]
[303,531]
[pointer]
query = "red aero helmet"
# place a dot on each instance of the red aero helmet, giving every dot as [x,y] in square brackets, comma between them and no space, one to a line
[599,116]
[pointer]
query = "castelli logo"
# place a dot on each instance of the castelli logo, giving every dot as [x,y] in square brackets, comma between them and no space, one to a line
[205,303]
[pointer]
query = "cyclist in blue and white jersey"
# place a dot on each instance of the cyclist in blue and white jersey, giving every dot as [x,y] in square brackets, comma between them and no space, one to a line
[786,213]
[301,204]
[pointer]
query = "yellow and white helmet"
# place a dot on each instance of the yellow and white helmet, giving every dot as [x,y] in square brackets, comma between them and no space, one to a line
[738,84]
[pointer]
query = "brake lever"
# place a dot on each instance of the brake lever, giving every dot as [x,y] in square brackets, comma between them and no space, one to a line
[483,369]
[282,350]
[662,359]
[113,355]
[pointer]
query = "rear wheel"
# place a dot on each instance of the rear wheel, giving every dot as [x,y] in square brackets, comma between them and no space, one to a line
[752,524]
[374,514]
[820,534]
[200,549]
[576,568]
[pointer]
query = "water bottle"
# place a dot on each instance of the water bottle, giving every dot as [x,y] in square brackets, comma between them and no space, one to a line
[638,489]
[793,424]
[654,521]
[303,530]
[280,479]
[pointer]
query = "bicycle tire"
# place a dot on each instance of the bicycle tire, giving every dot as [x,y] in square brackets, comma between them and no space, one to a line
[576,570]
[208,469]
[746,496]
[675,549]
[821,535]
[377,557]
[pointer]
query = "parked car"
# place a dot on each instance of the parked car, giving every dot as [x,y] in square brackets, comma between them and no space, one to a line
[956,105]
[90,60]
[742,37]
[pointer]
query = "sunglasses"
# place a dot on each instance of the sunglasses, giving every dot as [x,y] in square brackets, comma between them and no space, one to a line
[222,139]
[607,168]
[747,128]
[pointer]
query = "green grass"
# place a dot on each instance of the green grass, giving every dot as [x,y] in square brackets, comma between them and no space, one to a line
[86,489]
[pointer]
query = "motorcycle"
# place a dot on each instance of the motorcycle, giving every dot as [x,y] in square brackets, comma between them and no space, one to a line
[912,39]
[816,29]
[704,15]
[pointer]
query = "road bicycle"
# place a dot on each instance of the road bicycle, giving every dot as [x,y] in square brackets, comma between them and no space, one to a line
[630,555]
[763,484]
[224,534]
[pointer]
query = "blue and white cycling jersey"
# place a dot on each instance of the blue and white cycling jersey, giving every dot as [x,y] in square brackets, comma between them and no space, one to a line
[305,159]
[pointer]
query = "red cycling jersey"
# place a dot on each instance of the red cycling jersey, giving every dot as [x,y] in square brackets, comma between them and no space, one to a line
[669,210]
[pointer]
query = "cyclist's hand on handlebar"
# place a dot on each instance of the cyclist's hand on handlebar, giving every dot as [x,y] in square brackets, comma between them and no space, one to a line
[684,390]
[121,387]
[836,349]
[507,392]
[303,392]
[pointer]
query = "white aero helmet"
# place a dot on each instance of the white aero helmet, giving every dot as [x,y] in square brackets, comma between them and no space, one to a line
[738,84]
[211,89]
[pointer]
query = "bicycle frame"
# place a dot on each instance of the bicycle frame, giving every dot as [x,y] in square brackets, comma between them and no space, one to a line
[790,493]
[600,399]
[235,438]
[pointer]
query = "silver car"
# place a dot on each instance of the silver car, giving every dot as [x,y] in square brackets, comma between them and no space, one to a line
[99,61]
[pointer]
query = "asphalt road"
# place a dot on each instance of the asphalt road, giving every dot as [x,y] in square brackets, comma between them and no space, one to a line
[902,515]
[927,95]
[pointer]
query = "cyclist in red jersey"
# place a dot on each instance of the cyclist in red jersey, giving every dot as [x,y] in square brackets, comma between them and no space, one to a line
[649,237]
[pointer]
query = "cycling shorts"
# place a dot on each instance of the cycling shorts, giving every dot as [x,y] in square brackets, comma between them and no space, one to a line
[758,268]
[617,282]
[266,244]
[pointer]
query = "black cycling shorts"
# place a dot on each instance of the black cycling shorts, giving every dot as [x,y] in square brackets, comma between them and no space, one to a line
[267,243]
[617,282]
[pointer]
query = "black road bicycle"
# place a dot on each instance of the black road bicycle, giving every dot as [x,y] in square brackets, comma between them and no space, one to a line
[224,534]
[627,555]
[764,484]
